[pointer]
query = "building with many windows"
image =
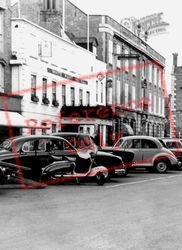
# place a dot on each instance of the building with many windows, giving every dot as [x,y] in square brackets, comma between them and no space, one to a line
[136,80]
[176,98]
[51,72]
[134,84]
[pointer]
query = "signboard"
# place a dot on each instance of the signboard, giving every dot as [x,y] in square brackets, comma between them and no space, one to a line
[146,27]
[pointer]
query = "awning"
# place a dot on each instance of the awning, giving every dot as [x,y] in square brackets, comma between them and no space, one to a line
[12,119]
[126,129]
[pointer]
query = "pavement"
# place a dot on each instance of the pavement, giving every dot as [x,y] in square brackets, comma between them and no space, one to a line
[139,212]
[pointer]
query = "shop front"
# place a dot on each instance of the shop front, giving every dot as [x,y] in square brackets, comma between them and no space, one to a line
[95,121]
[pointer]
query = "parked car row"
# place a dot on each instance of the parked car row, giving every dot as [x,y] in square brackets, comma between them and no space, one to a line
[60,157]
[149,152]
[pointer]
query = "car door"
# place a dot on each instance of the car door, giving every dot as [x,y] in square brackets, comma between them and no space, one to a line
[133,145]
[34,155]
[149,151]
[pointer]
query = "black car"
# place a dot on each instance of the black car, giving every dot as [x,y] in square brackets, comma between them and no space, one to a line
[42,157]
[85,142]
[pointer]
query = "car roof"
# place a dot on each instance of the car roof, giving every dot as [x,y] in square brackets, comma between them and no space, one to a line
[170,139]
[139,137]
[71,133]
[29,137]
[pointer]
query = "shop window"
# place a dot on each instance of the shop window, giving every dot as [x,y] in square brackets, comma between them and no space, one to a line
[32,131]
[54,128]
[44,127]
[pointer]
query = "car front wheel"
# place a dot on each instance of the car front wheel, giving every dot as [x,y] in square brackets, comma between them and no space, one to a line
[100,179]
[179,166]
[161,166]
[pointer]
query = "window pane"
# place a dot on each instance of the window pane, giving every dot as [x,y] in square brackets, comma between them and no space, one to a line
[148,144]
[33,84]
[63,95]
[44,87]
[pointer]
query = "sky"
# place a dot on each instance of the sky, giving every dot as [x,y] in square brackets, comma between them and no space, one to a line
[165,44]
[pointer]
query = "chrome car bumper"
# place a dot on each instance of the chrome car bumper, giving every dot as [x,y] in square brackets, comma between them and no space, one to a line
[120,171]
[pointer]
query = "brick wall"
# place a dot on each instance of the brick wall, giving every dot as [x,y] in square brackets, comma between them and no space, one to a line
[5,55]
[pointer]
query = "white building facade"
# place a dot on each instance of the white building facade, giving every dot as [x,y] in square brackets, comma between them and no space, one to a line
[51,72]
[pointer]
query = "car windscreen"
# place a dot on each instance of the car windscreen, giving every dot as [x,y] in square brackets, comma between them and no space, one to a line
[84,141]
[79,141]
[163,144]
[173,144]
[118,143]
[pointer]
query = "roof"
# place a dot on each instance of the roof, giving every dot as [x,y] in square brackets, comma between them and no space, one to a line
[92,40]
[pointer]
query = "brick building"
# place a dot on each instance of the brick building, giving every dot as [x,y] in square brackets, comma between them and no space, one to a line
[10,105]
[134,85]
[176,97]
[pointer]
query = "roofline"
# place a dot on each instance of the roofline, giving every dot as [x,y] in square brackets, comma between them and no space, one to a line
[53,34]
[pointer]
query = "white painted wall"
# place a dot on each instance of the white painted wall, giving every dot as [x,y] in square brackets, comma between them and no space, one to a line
[59,55]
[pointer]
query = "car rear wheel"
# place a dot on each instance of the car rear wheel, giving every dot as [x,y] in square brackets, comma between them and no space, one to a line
[161,166]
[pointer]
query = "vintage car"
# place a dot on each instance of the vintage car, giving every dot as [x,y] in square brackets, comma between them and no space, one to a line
[175,145]
[149,152]
[43,158]
[114,163]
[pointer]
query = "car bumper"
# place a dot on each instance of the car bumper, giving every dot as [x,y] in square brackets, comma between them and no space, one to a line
[120,171]
[175,162]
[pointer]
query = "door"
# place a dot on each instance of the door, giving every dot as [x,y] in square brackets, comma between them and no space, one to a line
[135,146]
[149,150]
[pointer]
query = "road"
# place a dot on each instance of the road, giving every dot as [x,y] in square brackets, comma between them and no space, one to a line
[142,211]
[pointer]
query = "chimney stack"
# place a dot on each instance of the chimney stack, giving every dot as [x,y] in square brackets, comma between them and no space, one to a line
[175,59]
